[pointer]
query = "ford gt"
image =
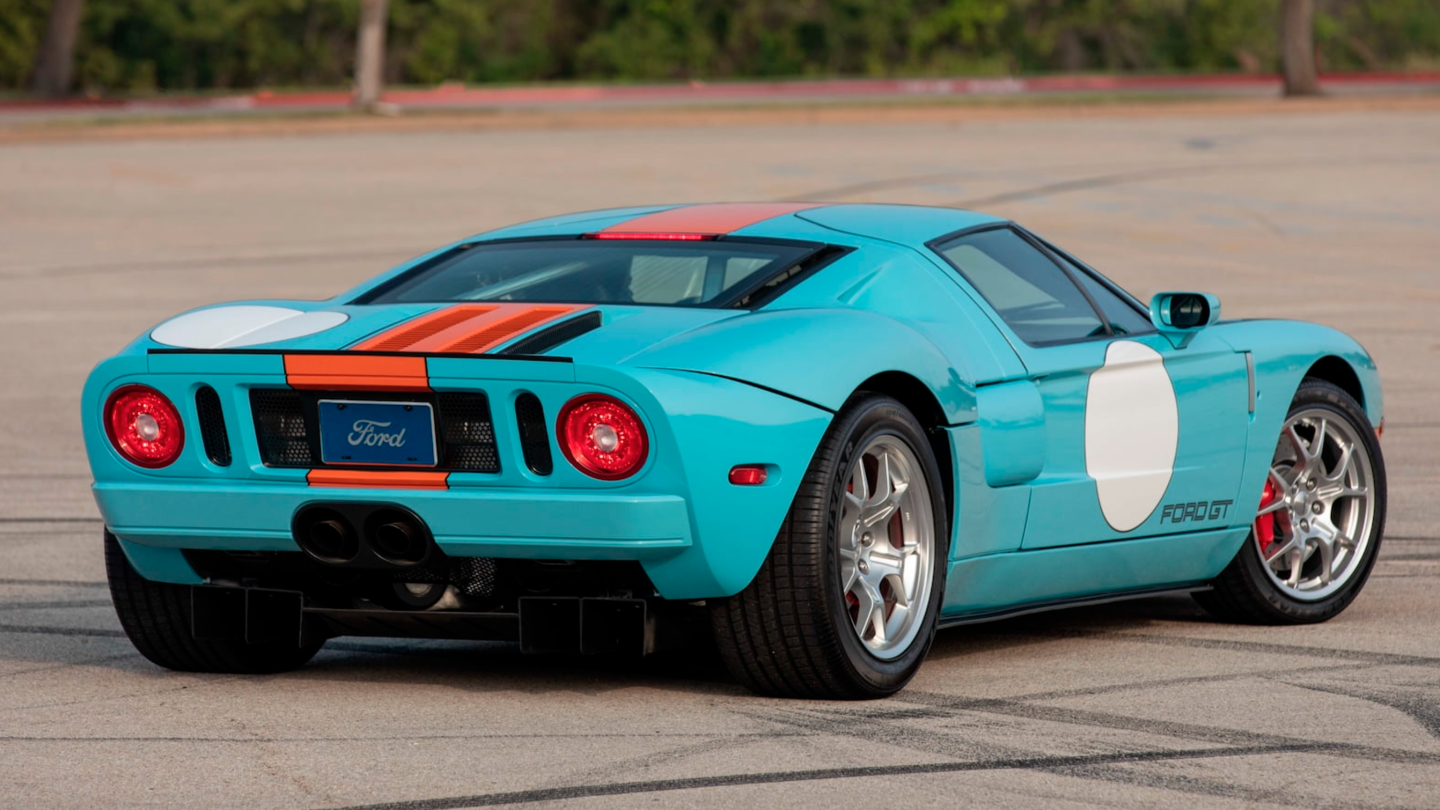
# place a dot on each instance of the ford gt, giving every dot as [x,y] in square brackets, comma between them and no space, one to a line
[816,433]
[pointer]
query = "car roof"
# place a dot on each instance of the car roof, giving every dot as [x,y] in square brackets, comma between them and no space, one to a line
[906,224]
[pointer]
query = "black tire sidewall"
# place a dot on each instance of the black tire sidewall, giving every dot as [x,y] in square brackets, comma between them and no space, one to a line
[865,420]
[1315,394]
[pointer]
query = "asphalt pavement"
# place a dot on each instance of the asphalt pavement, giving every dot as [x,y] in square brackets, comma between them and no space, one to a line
[1325,216]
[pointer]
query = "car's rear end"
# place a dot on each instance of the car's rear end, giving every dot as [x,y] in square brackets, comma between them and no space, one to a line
[439,466]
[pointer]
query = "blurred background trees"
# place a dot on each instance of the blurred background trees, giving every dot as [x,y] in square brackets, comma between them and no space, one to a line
[138,46]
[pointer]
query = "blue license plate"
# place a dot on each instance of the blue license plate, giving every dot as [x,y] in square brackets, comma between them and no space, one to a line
[390,433]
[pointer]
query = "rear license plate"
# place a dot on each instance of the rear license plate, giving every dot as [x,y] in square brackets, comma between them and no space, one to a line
[389,433]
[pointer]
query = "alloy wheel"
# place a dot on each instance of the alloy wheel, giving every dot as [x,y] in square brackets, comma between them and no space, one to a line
[1316,515]
[886,546]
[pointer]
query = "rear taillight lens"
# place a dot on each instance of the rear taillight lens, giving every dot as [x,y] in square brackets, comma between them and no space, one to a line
[602,437]
[144,426]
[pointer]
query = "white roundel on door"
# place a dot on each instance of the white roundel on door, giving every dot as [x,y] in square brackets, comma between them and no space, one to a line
[1132,427]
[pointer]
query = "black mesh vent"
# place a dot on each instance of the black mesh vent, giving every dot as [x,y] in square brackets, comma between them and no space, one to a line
[534,439]
[285,427]
[280,428]
[212,426]
[467,435]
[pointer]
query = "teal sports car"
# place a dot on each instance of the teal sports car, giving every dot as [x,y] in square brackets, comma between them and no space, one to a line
[814,432]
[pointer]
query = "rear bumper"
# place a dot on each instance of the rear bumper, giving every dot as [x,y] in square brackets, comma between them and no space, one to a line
[696,535]
[529,524]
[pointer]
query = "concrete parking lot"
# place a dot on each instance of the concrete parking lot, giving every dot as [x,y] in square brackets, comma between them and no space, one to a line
[1331,216]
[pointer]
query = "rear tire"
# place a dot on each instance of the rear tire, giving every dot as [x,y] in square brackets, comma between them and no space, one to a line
[1293,574]
[156,617]
[797,630]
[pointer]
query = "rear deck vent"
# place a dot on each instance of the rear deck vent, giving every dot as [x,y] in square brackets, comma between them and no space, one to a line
[280,428]
[466,432]
[552,336]
[212,426]
[534,438]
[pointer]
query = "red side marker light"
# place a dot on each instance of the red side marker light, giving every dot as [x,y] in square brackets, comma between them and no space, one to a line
[661,237]
[144,426]
[748,475]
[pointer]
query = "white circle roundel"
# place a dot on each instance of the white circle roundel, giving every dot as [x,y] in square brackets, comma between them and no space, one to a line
[1132,427]
[242,325]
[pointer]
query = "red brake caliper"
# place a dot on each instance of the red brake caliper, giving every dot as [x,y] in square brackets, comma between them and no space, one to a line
[1265,525]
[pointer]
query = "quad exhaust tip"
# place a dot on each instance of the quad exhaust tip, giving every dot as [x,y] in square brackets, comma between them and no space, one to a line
[360,535]
[397,536]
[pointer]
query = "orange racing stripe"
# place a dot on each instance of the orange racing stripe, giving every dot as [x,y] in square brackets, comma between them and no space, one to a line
[405,336]
[466,328]
[379,479]
[356,372]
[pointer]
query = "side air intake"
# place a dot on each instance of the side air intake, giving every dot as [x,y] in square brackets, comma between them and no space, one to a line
[552,336]
[212,426]
[534,436]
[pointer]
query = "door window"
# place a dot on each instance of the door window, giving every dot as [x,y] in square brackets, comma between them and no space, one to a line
[1028,290]
[1123,317]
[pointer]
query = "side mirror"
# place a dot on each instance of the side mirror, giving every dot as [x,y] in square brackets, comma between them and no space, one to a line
[1179,315]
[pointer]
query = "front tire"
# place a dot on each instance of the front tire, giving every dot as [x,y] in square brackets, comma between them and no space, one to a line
[1320,520]
[845,606]
[156,617]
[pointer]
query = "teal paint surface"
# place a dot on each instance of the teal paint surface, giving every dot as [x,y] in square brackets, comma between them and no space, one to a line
[1012,432]
[990,519]
[1014,580]
[159,564]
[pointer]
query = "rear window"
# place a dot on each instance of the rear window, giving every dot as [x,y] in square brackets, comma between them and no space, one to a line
[586,271]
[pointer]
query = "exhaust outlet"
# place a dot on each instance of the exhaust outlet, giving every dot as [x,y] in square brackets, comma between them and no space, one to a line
[398,540]
[363,535]
[326,535]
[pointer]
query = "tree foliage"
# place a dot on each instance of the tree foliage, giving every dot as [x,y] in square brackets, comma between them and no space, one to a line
[146,45]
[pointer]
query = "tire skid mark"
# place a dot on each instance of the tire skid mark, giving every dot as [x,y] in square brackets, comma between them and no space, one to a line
[862,725]
[1168,728]
[1423,709]
[61,631]
[276,765]
[1234,645]
[69,603]
[1160,683]
[881,727]
[664,757]
[1210,788]
[388,738]
[198,683]
[869,726]
[1367,656]
[86,521]
[777,777]
[55,583]
[84,662]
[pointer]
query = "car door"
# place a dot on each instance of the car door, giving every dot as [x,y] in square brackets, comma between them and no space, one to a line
[1143,437]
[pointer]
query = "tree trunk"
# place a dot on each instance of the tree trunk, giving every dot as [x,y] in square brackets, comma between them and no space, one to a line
[370,53]
[1297,47]
[55,62]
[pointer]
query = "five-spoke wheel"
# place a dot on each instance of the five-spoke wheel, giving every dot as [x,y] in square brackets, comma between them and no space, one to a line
[1319,521]
[1314,520]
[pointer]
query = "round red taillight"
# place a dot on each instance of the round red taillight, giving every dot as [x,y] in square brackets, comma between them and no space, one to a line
[144,426]
[602,437]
